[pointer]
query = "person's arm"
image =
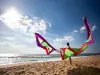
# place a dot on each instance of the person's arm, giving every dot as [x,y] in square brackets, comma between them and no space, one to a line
[58,50]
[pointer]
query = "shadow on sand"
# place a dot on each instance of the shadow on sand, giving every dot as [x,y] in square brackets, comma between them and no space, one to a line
[84,71]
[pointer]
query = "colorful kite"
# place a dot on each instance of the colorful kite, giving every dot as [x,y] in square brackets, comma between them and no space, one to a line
[41,42]
[66,52]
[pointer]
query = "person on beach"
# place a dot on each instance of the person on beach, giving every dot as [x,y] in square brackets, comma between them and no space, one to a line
[63,52]
[68,45]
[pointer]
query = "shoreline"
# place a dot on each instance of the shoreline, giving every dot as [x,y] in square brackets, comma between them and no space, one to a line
[28,62]
[79,65]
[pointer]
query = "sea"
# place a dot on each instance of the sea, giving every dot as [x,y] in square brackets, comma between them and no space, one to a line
[20,58]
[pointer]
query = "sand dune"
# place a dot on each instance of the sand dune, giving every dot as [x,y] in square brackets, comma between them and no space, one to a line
[80,66]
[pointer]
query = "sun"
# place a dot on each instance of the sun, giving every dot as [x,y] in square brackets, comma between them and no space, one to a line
[11,18]
[21,23]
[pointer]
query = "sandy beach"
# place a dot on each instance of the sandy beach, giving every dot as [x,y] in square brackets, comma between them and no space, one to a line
[80,66]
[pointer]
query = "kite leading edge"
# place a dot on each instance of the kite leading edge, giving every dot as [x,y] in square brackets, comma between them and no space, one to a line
[66,52]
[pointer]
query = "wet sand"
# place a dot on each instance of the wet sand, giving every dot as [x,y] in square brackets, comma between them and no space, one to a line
[80,66]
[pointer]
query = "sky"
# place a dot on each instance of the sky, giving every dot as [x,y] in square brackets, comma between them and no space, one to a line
[58,21]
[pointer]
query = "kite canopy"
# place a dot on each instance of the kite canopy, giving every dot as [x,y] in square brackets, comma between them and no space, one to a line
[66,52]
[41,42]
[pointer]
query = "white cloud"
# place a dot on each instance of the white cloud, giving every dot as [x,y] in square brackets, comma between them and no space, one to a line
[30,40]
[50,24]
[82,28]
[10,47]
[16,21]
[10,38]
[60,42]
[68,38]
[93,28]
[2,43]
[65,38]
[75,31]
[11,44]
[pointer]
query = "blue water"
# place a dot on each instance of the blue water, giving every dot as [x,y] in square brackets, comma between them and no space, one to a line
[16,58]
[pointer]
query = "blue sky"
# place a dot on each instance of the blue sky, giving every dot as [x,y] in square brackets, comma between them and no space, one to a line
[59,21]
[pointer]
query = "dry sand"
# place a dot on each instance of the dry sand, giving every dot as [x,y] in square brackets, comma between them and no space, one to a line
[80,66]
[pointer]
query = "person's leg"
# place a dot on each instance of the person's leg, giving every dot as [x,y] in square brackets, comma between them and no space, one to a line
[70,60]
